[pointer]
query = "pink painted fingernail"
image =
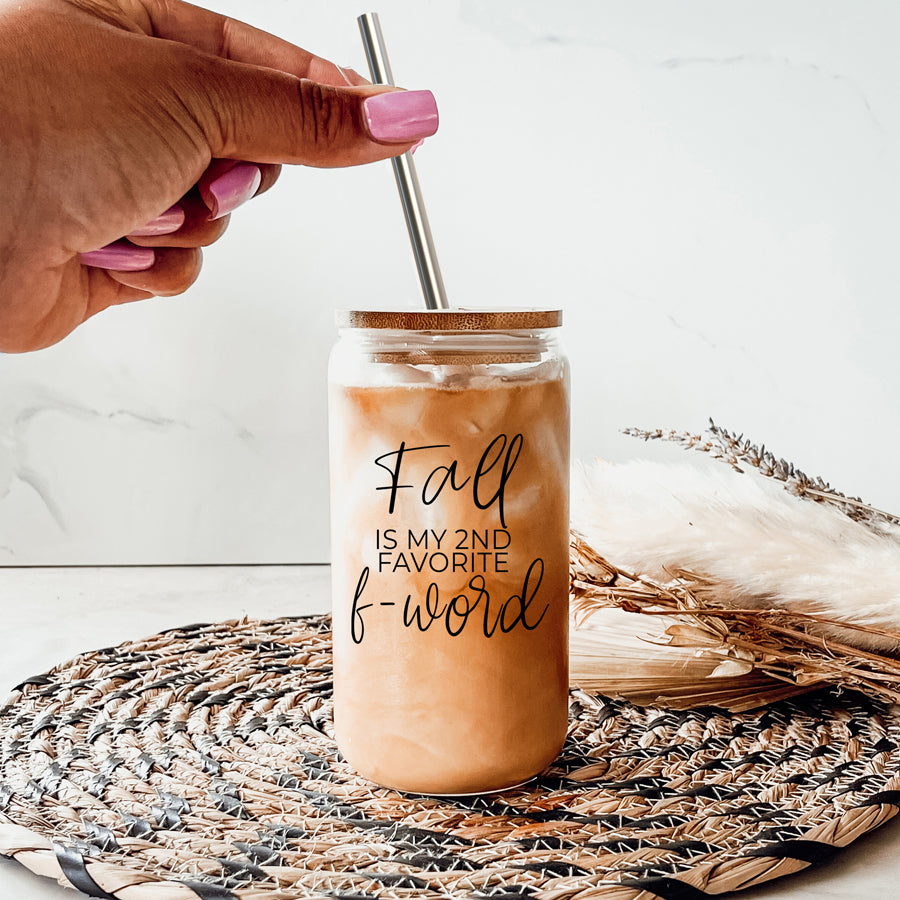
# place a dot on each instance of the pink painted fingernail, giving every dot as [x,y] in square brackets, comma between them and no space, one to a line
[165,223]
[234,187]
[120,256]
[396,117]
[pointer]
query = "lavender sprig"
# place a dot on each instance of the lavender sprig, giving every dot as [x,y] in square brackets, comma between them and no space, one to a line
[735,449]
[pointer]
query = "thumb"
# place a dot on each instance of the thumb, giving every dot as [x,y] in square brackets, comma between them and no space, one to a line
[265,115]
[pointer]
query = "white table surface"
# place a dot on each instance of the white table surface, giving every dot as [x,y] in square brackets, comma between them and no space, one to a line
[52,614]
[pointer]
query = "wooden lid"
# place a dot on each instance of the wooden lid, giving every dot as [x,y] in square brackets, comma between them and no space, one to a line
[510,319]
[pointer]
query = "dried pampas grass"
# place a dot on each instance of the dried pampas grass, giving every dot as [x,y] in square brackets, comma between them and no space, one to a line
[750,588]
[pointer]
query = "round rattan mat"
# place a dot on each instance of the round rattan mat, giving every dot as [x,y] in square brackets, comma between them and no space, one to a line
[200,763]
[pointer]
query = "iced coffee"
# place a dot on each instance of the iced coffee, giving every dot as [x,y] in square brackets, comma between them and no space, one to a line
[449,436]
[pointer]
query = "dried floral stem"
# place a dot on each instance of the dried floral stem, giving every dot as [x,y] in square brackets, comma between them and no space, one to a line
[737,612]
[735,449]
[828,497]
[782,643]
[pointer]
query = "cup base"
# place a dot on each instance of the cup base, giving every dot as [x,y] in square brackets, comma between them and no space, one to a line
[487,793]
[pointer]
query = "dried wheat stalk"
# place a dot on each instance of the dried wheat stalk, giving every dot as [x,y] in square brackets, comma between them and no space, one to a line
[781,644]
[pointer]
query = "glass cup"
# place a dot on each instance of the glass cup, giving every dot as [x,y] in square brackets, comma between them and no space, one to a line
[449,460]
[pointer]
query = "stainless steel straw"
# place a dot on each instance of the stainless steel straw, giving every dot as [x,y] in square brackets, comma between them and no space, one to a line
[405,173]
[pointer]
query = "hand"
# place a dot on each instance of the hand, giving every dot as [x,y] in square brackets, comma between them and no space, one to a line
[136,119]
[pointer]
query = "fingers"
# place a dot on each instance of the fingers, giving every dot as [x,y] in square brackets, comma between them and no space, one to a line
[165,223]
[122,256]
[199,219]
[104,291]
[160,271]
[234,40]
[198,229]
[227,184]
[258,114]
[218,167]
[173,271]
[259,98]
[163,257]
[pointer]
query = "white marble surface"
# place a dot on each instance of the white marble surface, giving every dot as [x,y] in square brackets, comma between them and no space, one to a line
[52,614]
[711,190]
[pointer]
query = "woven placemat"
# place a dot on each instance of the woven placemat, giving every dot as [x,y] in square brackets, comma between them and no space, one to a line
[200,763]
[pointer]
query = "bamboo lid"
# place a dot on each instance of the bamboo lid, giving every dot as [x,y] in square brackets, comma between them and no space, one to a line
[509,319]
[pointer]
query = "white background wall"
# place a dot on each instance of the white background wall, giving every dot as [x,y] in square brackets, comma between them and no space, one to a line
[709,189]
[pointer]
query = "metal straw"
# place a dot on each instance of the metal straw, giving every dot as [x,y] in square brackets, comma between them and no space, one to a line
[405,173]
